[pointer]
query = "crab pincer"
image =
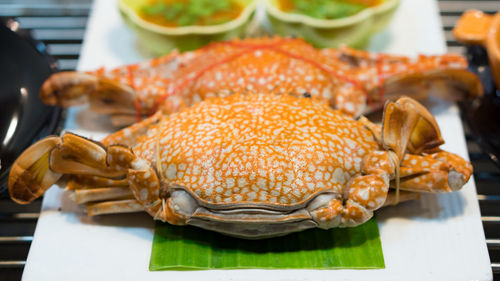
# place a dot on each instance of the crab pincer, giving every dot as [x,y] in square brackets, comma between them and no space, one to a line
[250,165]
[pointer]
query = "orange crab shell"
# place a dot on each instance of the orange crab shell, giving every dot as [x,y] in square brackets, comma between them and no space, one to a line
[347,79]
[282,154]
[251,165]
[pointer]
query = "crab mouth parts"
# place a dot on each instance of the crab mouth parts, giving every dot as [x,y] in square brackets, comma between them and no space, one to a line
[252,223]
[247,221]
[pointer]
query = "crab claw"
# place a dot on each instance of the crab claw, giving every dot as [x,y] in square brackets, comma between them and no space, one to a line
[67,88]
[408,125]
[410,159]
[449,84]
[30,175]
[44,163]
[70,88]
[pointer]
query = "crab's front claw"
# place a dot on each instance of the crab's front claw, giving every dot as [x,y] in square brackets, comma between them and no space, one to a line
[437,172]
[412,137]
[407,125]
[30,175]
[150,193]
[43,164]
[460,169]
[71,88]
[330,211]
[362,195]
[450,84]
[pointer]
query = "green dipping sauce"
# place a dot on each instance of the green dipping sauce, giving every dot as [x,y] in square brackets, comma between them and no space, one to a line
[175,13]
[326,9]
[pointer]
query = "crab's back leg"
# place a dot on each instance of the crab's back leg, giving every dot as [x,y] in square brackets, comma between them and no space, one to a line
[407,125]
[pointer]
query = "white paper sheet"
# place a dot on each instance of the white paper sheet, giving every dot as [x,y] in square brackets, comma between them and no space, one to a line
[438,238]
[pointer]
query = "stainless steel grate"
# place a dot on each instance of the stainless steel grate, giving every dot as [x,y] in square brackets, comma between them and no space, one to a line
[486,174]
[60,24]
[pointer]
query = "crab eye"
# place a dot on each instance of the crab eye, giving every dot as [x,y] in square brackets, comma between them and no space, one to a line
[306,95]
[182,202]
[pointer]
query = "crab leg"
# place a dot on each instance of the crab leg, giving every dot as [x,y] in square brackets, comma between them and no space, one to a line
[40,166]
[45,162]
[386,76]
[100,194]
[86,182]
[114,207]
[91,188]
[449,84]
[129,135]
[393,199]
[74,88]
[353,81]
[76,155]
[407,126]
[362,195]
[30,175]
[437,172]
[126,93]
[104,95]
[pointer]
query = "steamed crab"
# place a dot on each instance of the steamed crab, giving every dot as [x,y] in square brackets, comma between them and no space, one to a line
[250,165]
[349,80]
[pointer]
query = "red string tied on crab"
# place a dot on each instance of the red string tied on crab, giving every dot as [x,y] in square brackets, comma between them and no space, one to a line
[248,49]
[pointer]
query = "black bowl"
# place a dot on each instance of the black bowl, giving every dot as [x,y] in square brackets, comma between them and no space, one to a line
[24,119]
[483,114]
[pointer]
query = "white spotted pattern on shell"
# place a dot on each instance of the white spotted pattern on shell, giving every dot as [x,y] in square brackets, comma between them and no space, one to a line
[237,150]
[344,78]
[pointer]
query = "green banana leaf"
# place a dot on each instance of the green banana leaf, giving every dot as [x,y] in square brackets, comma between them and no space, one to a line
[190,248]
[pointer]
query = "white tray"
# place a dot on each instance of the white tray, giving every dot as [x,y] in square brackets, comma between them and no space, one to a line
[438,238]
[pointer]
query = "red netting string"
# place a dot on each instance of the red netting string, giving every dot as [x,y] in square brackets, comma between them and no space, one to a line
[254,47]
[248,48]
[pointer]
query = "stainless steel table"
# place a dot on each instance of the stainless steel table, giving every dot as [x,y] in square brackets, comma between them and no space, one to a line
[60,24]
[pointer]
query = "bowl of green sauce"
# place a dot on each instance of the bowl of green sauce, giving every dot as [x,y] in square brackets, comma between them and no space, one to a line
[330,23]
[164,25]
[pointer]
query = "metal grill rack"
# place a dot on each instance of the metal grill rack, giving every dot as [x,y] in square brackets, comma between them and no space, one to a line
[60,24]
